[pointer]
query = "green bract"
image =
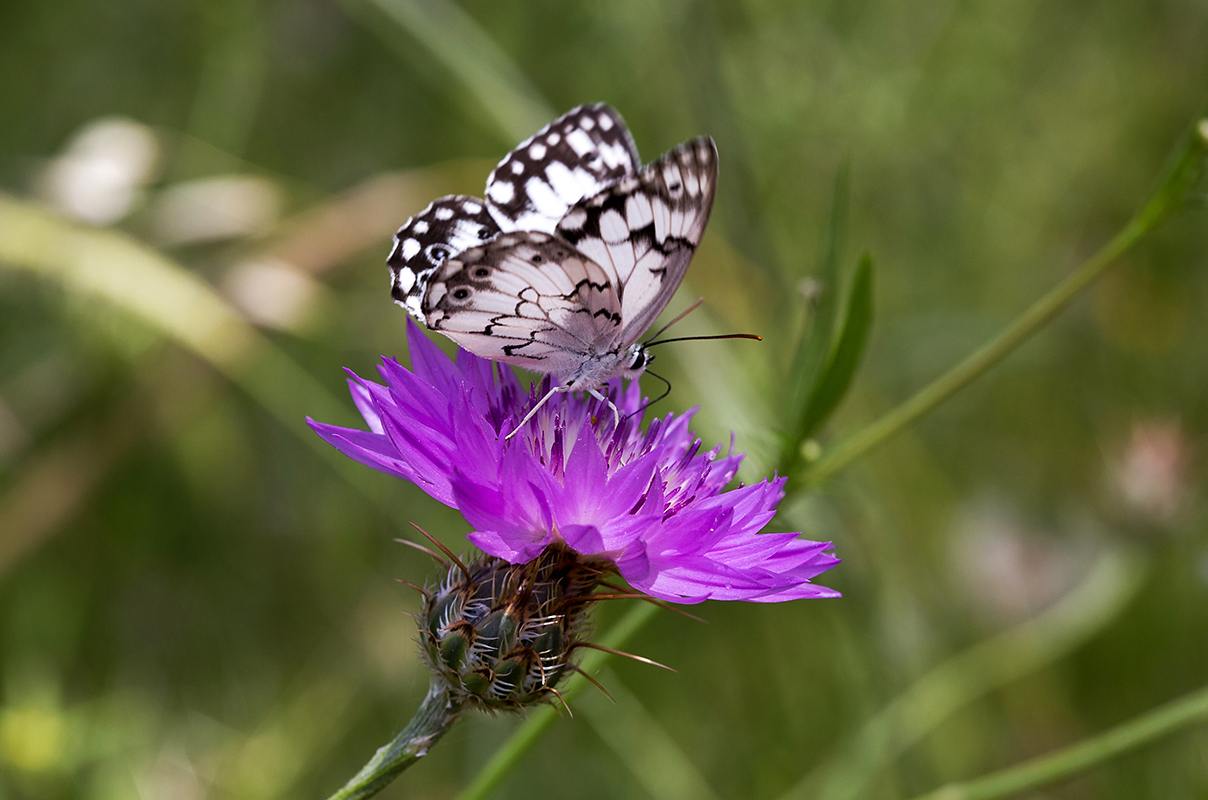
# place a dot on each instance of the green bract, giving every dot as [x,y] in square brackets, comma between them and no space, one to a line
[501,635]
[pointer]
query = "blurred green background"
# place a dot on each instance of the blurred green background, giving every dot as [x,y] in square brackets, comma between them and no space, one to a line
[198,601]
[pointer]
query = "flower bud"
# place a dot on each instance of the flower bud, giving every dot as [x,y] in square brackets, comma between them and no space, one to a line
[501,635]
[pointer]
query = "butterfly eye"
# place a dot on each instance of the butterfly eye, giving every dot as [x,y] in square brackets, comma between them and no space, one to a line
[481,272]
[461,294]
[436,253]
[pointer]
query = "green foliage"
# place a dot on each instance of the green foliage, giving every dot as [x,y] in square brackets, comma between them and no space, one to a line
[836,376]
[829,351]
[195,603]
[814,349]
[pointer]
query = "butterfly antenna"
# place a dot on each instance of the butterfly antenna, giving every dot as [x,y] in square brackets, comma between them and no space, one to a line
[691,308]
[649,403]
[702,338]
[653,340]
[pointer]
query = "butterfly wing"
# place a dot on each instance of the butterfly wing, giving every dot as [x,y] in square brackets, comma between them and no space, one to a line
[575,156]
[525,298]
[446,227]
[644,230]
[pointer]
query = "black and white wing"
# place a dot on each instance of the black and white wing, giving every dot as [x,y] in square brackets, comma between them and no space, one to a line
[446,227]
[575,156]
[643,230]
[525,298]
[570,258]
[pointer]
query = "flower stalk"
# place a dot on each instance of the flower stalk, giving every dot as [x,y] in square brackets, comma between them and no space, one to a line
[1111,583]
[1187,710]
[436,715]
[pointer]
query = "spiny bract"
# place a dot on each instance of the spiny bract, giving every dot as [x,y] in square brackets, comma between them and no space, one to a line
[501,635]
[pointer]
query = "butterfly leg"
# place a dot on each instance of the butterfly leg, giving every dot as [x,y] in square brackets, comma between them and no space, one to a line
[537,408]
[616,412]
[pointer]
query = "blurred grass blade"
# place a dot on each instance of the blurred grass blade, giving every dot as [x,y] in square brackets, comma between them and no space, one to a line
[1169,196]
[1183,172]
[53,485]
[514,106]
[638,740]
[1110,585]
[815,342]
[841,367]
[1188,710]
[119,270]
[230,86]
[822,308]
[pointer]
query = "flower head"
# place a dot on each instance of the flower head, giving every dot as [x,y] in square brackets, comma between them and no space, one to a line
[647,501]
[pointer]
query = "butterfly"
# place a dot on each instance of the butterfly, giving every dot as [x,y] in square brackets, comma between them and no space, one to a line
[570,257]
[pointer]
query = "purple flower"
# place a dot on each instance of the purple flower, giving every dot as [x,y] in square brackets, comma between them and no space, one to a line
[648,500]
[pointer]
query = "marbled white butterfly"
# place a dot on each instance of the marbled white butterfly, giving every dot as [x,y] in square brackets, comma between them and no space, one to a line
[575,251]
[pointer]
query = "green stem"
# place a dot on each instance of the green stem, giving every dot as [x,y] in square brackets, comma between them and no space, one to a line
[532,729]
[470,54]
[1044,770]
[434,718]
[1168,196]
[934,697]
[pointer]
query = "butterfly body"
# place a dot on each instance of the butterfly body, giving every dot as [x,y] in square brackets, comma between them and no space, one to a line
[570,258]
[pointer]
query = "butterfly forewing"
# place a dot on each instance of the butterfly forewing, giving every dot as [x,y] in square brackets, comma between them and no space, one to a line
[571,257]
[443,229]
[526,298]
[575,156]
[643,230]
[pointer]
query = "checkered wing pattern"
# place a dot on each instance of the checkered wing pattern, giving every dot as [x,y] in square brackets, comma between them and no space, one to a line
[572,255]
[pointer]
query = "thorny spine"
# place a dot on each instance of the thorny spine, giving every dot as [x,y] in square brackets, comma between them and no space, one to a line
[501,636]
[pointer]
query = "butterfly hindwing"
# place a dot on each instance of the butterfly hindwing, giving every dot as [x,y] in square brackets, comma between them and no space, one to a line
[525,298]
[446,227]
[575,156]
[643,230]
[570,258]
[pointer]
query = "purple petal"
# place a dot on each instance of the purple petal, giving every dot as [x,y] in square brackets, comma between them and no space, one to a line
[649,500]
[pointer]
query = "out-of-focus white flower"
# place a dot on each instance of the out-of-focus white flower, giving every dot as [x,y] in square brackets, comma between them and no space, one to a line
[100,176]
[272,292]
[1008,569]
[1149,477]
[171,776]
[212,209]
